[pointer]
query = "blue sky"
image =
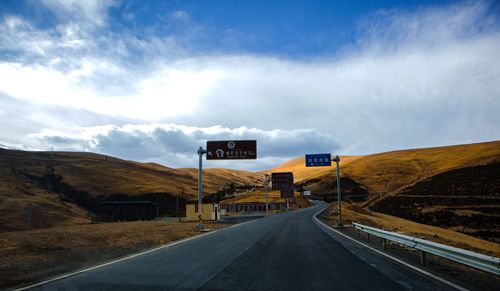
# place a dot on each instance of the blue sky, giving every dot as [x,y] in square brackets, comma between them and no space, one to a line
[153,80]
[299,29]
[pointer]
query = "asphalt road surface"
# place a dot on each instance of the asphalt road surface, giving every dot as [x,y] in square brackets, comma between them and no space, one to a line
[283,252]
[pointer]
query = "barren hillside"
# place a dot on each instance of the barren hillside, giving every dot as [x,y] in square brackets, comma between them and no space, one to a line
[390,171]
[104,175]
[47,188]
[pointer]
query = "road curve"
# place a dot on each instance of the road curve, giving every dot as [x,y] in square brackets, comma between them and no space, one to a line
[282,252]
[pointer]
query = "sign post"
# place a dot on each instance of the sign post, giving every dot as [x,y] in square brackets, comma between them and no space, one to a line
[319,160]
[283,181]
[266,188]
[232,150]
[222,150]
[201,152]
[339,195]
[325,160]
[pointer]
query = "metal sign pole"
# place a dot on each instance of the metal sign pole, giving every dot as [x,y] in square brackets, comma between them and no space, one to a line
[201,152]
[266,188]
[302,199]
[339,195]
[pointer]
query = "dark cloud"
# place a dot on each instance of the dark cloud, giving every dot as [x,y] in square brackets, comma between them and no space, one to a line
[175,141]
[176,145]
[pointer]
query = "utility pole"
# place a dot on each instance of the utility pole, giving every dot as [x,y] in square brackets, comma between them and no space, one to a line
[339,195]
[178,208]
[266,188]
[201,152]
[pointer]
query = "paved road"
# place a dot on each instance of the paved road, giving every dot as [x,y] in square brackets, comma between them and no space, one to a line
[282,252]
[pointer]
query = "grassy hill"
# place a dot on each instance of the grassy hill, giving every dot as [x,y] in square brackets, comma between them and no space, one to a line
[102,175]
[26,185]
[390,171]
[401,168]
[302,173]
[465,200]
[391,177]
[453,187]
[25,205]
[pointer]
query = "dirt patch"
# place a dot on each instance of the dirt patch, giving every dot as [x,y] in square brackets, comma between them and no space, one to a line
[28,256]
[481,181]
[326,189]
[465,200]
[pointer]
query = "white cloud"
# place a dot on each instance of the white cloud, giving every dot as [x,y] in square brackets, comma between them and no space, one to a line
[180,16]
[91,11]
[422,78]
[176,145]
[425,27]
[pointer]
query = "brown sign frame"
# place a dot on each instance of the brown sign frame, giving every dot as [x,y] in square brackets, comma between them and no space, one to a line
[287,193]
[282,180]
[232,150]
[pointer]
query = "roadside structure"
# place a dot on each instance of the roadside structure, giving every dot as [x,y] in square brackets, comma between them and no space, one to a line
[210,211]
[254,201]
[252,206]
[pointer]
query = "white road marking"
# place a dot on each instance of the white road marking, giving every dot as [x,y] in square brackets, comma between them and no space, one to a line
[129,257]
[424,272]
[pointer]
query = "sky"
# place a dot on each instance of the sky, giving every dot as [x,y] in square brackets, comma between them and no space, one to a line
[151,81]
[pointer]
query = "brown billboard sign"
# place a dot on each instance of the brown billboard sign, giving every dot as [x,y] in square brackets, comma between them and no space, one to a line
[287,193]
[282,180]
[232,150]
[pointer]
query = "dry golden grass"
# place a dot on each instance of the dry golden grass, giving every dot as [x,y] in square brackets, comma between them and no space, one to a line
[27,256]
[20,198]
[256,196]
[102,175]
[354,213]
[397,169]
[402,168]
[97,175]
[303,173]
[274,196]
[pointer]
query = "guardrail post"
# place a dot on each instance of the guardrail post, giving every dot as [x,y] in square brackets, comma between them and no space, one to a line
[423,258]
[476,260]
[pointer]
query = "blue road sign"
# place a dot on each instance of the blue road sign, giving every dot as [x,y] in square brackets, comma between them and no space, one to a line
[319,160]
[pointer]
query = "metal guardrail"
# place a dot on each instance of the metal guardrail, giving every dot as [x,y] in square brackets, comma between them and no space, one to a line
[483,262]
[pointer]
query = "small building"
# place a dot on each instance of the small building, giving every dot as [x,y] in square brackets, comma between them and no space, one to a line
[210,211]
[126,210]
[253,206]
